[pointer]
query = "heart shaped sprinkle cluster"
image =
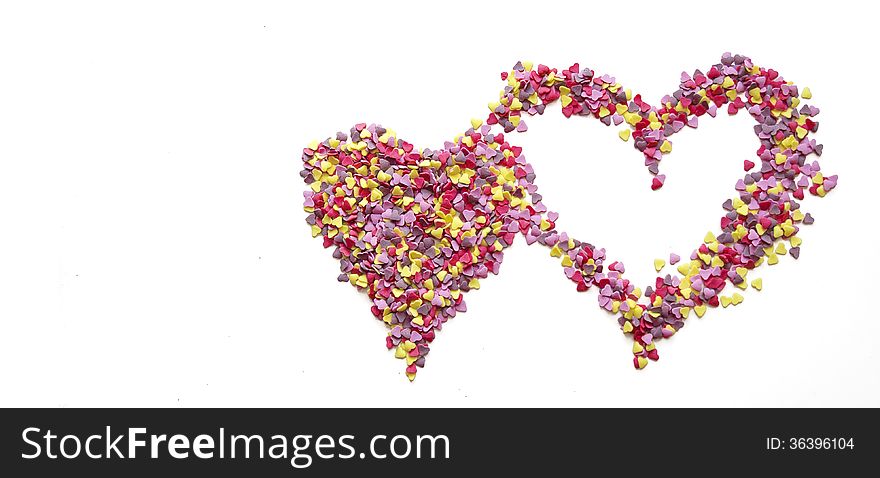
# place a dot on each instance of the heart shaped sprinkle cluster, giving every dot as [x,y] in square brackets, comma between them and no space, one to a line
[417,228]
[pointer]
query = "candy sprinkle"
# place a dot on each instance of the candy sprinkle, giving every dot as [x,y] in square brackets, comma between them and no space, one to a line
[418,228]
[658,264]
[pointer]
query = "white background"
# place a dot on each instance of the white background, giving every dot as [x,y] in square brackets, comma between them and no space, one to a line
[153,249]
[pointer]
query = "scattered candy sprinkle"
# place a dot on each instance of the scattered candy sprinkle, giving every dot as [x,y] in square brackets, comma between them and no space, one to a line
[418,228]
[658,264]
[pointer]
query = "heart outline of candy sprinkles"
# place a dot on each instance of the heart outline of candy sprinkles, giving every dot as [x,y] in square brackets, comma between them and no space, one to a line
[416,229]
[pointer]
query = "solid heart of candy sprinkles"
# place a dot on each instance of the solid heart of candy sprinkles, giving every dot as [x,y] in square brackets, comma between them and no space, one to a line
[418,228]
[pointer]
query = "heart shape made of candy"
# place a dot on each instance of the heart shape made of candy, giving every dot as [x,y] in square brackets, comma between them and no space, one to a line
[418,228]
